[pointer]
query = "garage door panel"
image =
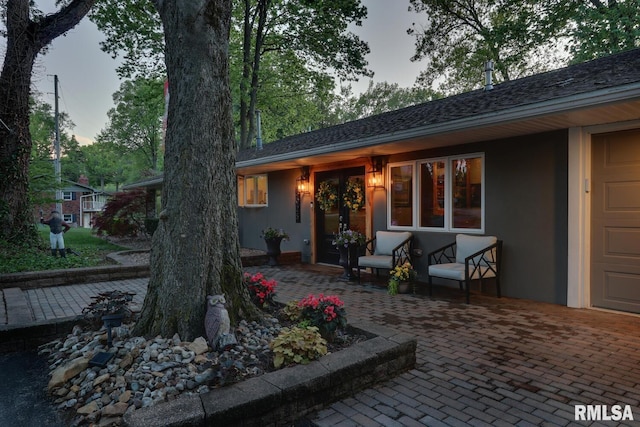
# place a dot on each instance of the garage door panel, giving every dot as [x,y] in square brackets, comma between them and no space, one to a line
[622,241]
[622,196]
[622,287]
[615,221]
[621,149]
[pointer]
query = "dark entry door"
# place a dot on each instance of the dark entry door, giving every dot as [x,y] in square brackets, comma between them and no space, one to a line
[615,219]
[328,221]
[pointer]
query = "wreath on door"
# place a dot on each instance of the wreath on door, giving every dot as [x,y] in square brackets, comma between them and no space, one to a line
[354,195]
[327,195]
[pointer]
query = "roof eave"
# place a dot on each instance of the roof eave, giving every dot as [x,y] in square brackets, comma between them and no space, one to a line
[539,109]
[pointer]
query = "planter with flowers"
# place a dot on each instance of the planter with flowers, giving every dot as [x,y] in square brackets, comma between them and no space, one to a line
[348,242]
[273,237]
[401,279]
[326,312]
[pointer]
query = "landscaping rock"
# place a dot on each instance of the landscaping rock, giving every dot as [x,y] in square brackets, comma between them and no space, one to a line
[64,373]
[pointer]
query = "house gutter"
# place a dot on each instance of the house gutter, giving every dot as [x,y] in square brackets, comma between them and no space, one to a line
[545,108]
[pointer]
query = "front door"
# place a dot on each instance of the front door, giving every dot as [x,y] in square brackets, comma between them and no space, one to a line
[615,221]
[329,219]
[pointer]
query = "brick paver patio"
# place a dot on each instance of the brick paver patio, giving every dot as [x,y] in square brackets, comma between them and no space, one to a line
[494,362]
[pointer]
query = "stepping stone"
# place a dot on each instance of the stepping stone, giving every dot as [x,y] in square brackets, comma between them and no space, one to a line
[18,309]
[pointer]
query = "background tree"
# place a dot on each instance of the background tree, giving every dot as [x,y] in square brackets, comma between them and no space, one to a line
[604,27]
[107,165]
[377,99]
[521,37]
[123,214]
[313,32]
[28,32]
[42,180]
[135,124]
[285,46]
[195,249]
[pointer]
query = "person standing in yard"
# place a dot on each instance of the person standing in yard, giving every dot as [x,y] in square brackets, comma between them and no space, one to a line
[57,228]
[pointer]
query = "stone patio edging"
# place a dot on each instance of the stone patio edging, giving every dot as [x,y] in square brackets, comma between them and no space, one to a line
[76,276]
[288,394]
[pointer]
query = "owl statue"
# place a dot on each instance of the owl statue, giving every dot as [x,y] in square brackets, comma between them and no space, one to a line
[217,324]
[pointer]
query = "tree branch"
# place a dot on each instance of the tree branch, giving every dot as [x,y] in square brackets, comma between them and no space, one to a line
[54,25]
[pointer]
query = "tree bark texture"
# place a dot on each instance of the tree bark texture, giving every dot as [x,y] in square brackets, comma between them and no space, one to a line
[25,39]
[195,250]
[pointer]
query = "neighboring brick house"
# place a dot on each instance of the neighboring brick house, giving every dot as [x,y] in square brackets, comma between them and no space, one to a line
[80,203]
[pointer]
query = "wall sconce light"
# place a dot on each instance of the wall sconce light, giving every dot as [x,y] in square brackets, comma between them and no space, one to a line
[375,176]
[302,182]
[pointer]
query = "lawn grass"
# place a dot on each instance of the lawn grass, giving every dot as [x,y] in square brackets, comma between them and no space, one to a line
[91,251]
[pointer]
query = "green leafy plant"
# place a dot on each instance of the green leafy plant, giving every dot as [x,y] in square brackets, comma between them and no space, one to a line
[297,345]
[272,233]
[292,311]
[327,313]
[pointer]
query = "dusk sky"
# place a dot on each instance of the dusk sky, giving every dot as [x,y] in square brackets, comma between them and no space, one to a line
[87,75]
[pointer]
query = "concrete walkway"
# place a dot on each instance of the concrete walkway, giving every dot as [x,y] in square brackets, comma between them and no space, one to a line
[494,362]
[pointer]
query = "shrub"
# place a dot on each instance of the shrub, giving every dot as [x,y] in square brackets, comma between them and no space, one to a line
[292,311]
[325,312]
[110,302]
[297,345]
[123,214]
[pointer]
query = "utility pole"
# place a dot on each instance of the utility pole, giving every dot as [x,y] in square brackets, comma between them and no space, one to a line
[56,145]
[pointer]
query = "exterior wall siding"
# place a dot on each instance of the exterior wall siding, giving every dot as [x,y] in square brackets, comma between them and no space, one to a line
[280,213]
[526,206]
[526,203]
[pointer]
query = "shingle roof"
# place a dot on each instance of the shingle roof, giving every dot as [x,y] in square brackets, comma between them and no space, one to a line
[608,72]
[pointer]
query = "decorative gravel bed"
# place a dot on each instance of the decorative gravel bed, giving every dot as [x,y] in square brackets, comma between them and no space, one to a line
[144,372]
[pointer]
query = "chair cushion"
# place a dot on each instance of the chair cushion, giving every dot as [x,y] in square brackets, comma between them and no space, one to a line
[376,261]
[455,271]
[386,241]
[467,245]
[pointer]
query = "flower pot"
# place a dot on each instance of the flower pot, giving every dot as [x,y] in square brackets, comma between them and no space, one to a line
[348,260]
[399,287]
[273,249]
[404,288]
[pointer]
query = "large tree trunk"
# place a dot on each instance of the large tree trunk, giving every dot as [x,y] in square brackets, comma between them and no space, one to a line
[195,250]
[25,39]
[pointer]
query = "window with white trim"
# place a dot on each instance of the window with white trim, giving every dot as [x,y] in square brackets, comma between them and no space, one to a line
[67,195]
[252,191]
[440,194]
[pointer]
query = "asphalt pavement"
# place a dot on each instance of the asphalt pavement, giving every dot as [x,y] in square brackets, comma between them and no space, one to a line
[23,392]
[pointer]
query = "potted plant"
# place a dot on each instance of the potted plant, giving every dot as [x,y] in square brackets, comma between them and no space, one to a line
[272,238]
[401,279]
[347,242]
